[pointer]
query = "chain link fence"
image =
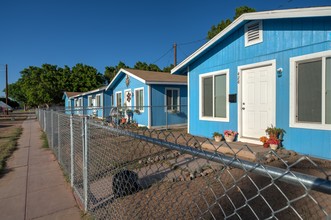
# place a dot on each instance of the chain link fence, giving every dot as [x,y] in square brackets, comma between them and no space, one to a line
[129,172]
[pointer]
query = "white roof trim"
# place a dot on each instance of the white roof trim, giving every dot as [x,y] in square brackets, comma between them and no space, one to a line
[128,73]
[166,83]
[288,13]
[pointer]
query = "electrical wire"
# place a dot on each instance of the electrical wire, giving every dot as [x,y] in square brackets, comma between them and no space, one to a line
[163,55]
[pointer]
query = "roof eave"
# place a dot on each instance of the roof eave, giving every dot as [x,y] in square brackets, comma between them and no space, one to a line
[289,13]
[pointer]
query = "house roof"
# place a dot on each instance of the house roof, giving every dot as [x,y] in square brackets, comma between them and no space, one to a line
[71,94]
[276,14]
[150,77]
[4,105]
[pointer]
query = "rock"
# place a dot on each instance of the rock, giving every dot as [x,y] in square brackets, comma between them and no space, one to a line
[292,153]
[207,172]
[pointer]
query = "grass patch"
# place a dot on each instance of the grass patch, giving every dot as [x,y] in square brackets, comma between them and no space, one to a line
[8,146]
[45,140]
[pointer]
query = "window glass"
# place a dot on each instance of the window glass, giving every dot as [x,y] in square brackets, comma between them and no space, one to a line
[309,102]
[220,96]
[139,99]
[208,96]
[328,91]
[119,99]
[169,97]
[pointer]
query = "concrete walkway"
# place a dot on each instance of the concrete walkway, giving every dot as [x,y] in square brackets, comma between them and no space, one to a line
[34,186]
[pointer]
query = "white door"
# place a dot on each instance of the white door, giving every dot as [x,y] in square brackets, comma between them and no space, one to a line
[258,101]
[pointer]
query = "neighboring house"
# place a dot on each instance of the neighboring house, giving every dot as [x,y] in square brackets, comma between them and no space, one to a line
[266,68]
[69,101]
[92,103]
[157,99]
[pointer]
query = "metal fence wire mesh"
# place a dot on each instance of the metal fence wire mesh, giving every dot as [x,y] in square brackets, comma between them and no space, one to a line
[128,172]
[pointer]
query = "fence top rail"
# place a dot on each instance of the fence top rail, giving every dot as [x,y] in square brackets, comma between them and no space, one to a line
[276,173]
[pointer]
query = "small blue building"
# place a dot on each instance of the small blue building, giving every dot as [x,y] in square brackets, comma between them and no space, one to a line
[152,99]
[70,102]
[91,103]
[266,68]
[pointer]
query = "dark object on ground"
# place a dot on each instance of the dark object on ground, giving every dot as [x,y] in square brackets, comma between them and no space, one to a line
[125,182]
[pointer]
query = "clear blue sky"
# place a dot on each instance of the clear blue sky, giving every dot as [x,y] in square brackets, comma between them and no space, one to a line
[103,32]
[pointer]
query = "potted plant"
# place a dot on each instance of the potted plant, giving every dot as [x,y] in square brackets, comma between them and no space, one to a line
[217,136]
[264,140]
[273,131]
[278,133]
[230,135]
[273,142]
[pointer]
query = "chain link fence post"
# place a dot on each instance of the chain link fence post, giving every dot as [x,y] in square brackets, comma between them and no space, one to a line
[71,152]
[85,164]
[52,129]
[58,139]
[44,120]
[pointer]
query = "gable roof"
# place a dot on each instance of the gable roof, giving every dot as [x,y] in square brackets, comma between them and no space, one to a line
[71,94]
[150,77]
[276,14]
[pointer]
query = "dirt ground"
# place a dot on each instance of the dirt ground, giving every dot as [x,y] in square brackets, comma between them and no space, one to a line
[170,192]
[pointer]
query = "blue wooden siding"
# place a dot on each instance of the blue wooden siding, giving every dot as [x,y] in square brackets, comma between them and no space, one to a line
[159,115]
[120,86]
[68,109]
[282,39]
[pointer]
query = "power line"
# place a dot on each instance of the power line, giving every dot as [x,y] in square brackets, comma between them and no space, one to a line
[163,55]
[192,42]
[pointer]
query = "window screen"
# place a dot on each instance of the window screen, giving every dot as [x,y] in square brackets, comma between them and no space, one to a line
[309,101]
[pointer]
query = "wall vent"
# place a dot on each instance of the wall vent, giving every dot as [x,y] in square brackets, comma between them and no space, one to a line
[253,33]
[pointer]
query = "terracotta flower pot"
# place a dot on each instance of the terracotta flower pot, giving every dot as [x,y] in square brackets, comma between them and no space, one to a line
[218,138]
[229,138]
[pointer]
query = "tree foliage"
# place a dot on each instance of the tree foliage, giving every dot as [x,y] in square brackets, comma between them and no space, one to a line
[214,30]
[45,85]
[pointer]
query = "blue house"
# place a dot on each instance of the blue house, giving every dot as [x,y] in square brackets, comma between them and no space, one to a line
[69,101]
[152,99]
[266,68]
[92,103]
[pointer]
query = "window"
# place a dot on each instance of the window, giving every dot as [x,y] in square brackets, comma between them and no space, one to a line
[76,102]
[139,99]
[311,93]
[172,99]
[89,101]
[214,96]
[80,102]
[98,100]
[253,33]
[69,103]
[118,99]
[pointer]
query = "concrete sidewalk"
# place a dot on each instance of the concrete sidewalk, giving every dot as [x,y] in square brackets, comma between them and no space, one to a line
[34,186]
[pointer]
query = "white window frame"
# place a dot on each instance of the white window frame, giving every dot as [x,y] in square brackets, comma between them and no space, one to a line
[178,99]
[119,92]
[80,102]
[98,96]
[293,90]
[225,72]
[89,101]
[141,109]
[260,40]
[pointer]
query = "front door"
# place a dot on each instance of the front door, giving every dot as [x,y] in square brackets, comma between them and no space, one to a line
[258,101]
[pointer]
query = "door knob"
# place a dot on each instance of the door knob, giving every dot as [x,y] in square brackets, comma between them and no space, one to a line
[243,108]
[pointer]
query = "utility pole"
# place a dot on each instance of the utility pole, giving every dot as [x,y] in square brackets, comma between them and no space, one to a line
[7,87]
[175,54]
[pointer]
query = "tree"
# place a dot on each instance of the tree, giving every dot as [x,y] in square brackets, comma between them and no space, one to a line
[45,85]
[110,71]
[214,30]
[168,68]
